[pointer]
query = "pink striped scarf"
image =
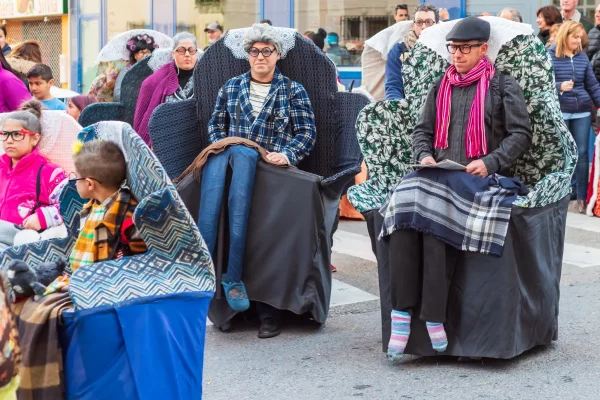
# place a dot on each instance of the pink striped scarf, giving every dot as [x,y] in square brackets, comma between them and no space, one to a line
[476,142]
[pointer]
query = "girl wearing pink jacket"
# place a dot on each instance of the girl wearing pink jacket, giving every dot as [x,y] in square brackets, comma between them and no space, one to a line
[29,185]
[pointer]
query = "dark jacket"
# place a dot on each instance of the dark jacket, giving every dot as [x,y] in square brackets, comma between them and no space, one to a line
[587,24]
[585,21]
[394,85]
[507,126]
[593,50]
[586,88]
[6,50]
[544,36]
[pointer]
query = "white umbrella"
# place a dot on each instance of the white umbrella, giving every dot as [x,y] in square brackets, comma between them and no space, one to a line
[116,49]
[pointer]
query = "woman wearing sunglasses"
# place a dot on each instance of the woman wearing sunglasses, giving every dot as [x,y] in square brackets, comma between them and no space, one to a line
[173,82]
[29,184]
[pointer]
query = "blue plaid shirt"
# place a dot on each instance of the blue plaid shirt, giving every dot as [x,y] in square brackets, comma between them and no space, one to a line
[295,145]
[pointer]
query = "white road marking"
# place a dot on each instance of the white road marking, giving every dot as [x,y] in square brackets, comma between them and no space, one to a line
[343,293]
[353,244]
[580,221]
[581,256]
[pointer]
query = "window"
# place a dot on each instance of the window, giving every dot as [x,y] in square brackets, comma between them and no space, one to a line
[195,16]
[586,7]
[354,21]
[120,19]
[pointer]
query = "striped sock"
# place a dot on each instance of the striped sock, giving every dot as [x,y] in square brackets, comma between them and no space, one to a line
[437,334]
[400,334]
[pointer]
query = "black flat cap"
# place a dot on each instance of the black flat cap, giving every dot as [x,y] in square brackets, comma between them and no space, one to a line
[470,28]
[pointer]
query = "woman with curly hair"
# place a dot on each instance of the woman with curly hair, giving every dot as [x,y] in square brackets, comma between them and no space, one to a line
[106,87]
[139,47]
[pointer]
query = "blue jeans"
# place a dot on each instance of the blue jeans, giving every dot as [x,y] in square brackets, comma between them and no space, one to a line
[580,129]
[243,163]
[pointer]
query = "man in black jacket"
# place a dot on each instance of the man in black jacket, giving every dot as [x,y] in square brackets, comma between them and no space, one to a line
[593,49]
[505,120]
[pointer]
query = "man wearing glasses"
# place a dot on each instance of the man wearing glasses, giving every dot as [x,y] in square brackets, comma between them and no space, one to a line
[401,13]
[473,116]
[426,16]
[261,107]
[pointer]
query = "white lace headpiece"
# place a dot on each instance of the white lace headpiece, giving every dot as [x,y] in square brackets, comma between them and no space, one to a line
[387,38]
[234,41]
[502,32]
[116,49]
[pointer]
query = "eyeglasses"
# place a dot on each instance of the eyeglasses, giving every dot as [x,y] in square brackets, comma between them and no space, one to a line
[266,51]
[182,50]
[73,178]
[427,22]
[17,136]
[464,48]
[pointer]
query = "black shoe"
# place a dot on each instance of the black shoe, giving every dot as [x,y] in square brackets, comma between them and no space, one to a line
[269,327]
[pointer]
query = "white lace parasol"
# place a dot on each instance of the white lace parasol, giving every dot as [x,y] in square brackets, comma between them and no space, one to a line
[234,40]
[116,49]
[502,32]
[387,38]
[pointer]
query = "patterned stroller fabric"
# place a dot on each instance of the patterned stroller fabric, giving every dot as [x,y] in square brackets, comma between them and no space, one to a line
[385,128]
[177,260]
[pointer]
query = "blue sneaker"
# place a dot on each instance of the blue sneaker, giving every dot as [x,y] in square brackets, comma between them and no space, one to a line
[235,293]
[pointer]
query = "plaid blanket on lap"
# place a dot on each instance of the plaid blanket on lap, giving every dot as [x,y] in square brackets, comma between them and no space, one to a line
[467,212]
[41,371]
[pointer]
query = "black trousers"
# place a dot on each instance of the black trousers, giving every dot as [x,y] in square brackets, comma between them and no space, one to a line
[265,310]
[421,270]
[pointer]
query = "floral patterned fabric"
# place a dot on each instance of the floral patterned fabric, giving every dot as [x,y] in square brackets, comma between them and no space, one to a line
[385,128]
[103,85]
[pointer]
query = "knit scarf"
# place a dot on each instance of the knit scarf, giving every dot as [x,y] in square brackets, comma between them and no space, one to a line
[476,142]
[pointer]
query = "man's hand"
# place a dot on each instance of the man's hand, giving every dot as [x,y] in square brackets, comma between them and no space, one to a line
[277,158]
[32,222]
[428,161]
[478,168]
[566,86]
[444,14]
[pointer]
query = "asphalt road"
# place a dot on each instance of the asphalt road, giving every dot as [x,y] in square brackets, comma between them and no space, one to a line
[343,358]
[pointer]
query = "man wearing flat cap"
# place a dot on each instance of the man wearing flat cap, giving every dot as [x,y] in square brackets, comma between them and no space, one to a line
[214,33]
[473,116]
